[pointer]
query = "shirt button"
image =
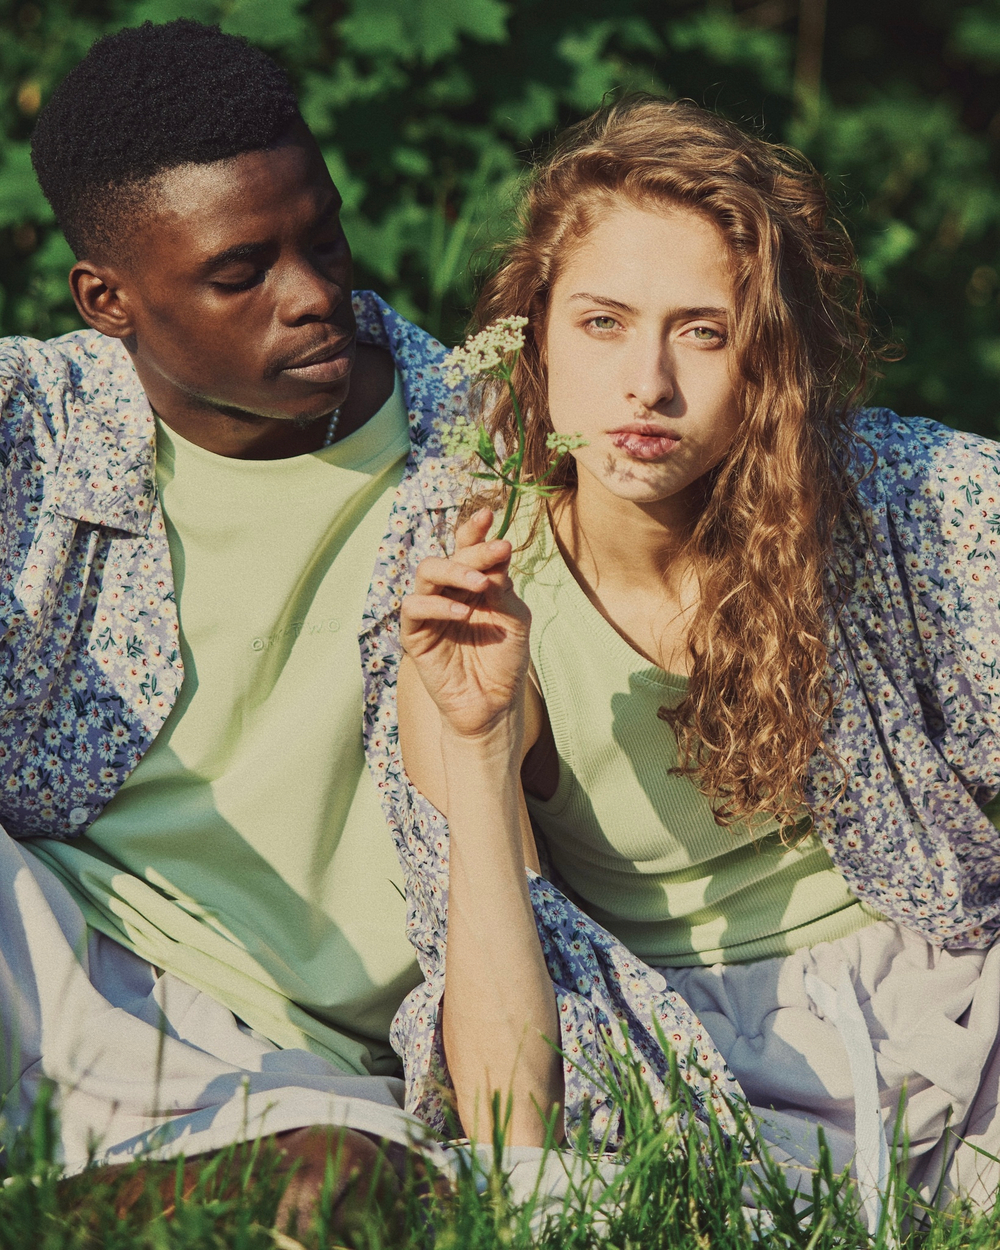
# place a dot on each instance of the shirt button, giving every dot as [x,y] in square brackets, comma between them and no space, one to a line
[78,816]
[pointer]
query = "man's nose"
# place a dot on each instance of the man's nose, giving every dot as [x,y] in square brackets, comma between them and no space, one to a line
[308,292]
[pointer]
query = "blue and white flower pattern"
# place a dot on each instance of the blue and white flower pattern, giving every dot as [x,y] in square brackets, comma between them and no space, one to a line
[90,668]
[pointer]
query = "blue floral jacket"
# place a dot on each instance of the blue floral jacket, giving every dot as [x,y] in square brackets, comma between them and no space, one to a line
[89,659]
[90,668]
[917,725]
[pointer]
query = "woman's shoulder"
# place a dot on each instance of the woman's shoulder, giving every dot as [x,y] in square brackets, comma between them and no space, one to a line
[902,456]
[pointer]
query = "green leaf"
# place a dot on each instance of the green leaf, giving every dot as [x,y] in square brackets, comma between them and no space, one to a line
[886,249]
[21,197]
[532,111]
[977,34]
[351,188]
[422,30]
[208,11]
[487,452]
[728,41]
[273,23]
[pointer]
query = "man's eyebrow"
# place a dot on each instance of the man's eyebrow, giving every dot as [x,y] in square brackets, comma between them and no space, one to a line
[241,251]
[249,251]
[587,297]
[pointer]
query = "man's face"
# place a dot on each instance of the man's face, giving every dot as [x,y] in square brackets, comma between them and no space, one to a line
[239,293]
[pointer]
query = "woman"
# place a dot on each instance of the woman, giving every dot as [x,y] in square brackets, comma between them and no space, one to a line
[754,714]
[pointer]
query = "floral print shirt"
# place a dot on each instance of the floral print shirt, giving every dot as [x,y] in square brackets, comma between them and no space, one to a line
[90,665]
[90,668]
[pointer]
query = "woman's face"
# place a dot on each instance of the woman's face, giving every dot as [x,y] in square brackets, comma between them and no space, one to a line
[639,362]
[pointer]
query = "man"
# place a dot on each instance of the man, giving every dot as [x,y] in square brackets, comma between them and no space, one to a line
[201,931]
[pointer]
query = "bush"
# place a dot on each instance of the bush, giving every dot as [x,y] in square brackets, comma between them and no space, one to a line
[428,109]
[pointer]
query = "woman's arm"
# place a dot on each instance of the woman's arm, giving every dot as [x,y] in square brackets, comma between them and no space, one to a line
[462,729]
[420,740]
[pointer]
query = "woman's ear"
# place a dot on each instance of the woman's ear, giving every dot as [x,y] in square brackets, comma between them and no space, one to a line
[98,294]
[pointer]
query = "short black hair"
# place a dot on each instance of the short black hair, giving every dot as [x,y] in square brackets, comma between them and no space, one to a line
[144,100]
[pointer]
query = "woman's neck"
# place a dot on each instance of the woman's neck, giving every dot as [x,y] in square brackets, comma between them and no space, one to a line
[629,559]
[614,541]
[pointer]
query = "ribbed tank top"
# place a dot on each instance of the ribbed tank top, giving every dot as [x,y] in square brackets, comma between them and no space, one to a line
[639,846]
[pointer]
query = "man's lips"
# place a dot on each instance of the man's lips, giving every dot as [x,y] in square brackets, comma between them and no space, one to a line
[328,363]
[644,442]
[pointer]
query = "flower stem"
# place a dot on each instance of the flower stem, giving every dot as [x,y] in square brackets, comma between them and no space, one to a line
[508,516]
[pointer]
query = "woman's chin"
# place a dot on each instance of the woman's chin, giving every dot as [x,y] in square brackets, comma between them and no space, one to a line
[639,485]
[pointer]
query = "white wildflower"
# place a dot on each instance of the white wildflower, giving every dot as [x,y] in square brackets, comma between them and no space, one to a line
[563,444]
[459,437]
[485,351]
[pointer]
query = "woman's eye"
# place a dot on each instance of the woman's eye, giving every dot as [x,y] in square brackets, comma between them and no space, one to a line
[603,323]
[706,334]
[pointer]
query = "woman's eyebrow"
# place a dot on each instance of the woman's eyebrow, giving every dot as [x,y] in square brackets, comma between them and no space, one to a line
[587,297]
[719,313]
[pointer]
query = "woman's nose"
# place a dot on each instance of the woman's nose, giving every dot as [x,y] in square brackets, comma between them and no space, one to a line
[652,381]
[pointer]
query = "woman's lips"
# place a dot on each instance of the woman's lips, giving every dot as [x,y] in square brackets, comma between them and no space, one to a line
[644,446]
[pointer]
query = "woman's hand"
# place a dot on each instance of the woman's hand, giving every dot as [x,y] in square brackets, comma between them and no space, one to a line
[466,632]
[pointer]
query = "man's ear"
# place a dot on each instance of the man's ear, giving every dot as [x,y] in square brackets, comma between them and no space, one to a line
[98,294]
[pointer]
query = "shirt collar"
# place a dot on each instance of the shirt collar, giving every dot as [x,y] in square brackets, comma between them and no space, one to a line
[107,474]
[430,402]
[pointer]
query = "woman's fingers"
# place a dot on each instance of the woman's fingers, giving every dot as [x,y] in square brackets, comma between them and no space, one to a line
[419,608]
[467,570]
[473,529]
[436,575]
[485,556]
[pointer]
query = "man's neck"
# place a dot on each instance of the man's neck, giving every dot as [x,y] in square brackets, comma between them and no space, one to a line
[243,436]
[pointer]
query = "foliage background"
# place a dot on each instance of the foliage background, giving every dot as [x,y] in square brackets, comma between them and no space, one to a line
[427,111]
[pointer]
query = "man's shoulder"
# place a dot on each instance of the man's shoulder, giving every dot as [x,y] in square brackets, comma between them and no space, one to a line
[81,385]
[379,323]
[52,358]
[417,355]
[432,403]
[42,371]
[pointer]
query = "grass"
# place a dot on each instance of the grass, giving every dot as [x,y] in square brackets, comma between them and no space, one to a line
[678,1186]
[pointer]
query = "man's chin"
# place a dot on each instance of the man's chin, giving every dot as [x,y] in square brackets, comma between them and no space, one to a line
[305,421]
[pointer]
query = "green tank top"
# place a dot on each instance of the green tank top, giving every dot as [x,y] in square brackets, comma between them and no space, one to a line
[639,846]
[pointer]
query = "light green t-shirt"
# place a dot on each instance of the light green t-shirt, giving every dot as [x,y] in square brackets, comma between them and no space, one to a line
[641,847]
[248,852]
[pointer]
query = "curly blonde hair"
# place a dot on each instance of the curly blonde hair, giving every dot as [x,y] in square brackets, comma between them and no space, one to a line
[762,549]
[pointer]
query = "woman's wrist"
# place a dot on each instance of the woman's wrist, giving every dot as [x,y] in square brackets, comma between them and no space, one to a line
[499,741]
[482,780]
